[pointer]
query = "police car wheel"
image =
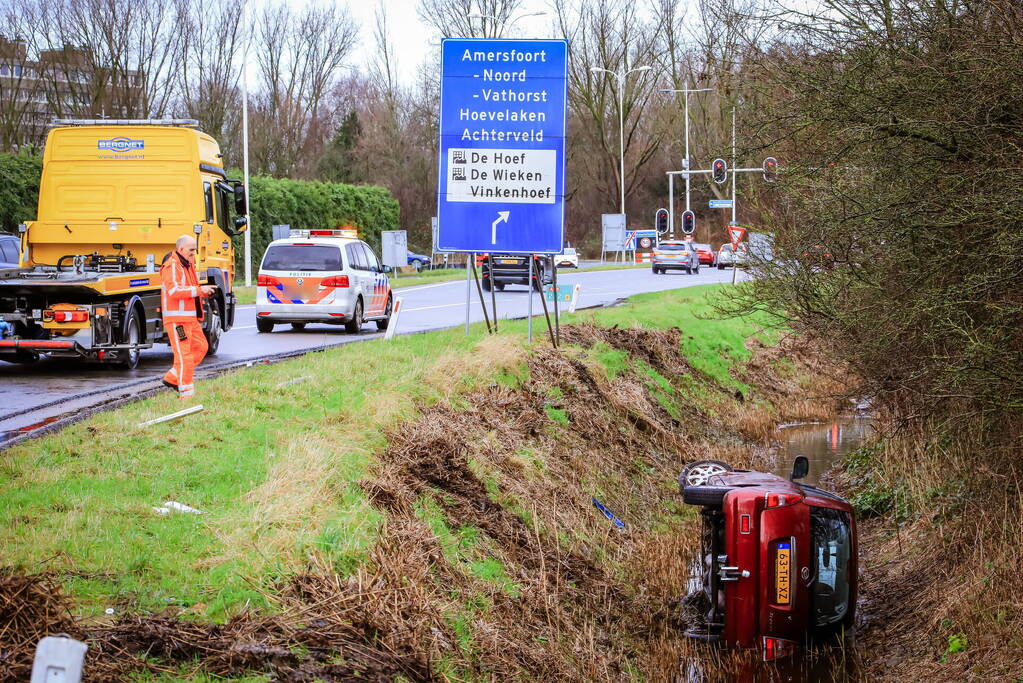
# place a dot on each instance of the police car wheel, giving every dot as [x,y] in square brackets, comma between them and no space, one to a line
[355,324]
[264,325]
[383,323]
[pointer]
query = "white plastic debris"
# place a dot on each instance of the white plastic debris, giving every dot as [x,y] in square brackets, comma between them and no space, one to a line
[109,610]
[60,659]
[181,507]
[296,380]
[161,510]
[172,416]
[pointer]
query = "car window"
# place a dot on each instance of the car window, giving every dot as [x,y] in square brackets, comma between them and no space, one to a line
[302,257]
[356,256]
[569,251]
[371,258]
[9,251]
[673,247]
[830,553]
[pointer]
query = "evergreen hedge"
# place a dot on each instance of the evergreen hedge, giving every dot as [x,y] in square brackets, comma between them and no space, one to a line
[274,201]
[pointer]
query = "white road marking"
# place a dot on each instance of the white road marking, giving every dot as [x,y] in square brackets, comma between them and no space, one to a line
[418,288]
[243,327]
[427,308]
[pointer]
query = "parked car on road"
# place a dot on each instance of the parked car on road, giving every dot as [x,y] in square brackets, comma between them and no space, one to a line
[675,255]
[567,258]
[322,276]
[778,559]
[513,269]
[419,261]
[727,256]
[706,254]
[10,250]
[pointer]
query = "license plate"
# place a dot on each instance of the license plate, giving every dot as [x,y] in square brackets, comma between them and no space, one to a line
[783,574]
[509,261]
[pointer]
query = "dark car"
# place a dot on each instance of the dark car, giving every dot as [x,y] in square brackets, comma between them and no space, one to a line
[419,261]
[778,559]
[10,250]
[513,269]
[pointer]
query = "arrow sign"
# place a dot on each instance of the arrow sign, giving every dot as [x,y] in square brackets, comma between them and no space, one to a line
[736,234]
[502,217]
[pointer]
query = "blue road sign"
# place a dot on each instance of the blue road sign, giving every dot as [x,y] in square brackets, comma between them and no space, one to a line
[720,203]
[501,184]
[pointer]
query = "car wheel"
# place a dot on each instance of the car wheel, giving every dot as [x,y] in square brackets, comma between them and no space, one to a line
[721,266]
[697,271]
[499,286]
[654,270]
[264,325]
[698,472]
[418,265]
[355,324]
[132,335]
[689,270]
[486,284]
[382,324]
[705,495]
[298,327]
[214,326]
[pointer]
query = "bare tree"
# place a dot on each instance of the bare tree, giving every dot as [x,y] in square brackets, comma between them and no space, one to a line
[470,18]
[300,57]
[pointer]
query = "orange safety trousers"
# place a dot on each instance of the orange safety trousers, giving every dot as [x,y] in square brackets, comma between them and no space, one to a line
[188,353]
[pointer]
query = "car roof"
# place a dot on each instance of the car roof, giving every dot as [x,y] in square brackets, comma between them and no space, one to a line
[675,242]
[317,240]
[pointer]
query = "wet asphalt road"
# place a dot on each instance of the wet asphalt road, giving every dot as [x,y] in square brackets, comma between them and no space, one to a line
[31,393]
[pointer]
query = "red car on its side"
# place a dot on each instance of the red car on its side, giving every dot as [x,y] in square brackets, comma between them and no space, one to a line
[706,254]
[778,559]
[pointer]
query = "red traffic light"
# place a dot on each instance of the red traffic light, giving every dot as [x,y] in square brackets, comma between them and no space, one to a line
[661,220]
[719,170]
[688,223]
[770,169]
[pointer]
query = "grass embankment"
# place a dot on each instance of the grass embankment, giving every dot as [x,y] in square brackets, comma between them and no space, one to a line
[247,295]
[942,521]
[414,505]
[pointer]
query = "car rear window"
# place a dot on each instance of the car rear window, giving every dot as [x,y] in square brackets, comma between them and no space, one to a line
[830,552]
[673,247]
[705,247]
[302,257]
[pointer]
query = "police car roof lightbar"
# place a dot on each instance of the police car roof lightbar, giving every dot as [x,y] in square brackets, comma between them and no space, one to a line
[351,233]
[189,123]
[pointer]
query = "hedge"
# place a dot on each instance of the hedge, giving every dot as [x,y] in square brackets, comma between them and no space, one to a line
[274,201]
[19,189]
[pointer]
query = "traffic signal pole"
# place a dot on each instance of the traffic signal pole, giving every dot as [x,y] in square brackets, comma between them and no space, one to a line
[685,162]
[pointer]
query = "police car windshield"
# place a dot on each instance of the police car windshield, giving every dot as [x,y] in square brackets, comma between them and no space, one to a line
[302,257]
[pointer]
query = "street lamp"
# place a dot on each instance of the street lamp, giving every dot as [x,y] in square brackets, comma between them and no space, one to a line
[484,17]
[621,119]
[685,163]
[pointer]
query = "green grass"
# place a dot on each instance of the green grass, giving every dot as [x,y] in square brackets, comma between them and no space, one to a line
[274,469]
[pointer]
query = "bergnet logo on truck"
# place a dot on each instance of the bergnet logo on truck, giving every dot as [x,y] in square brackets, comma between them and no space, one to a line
[114,197]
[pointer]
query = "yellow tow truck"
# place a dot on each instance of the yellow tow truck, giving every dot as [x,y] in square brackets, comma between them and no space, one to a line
[114,198]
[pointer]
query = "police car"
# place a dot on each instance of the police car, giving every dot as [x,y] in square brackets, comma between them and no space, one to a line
[322,276]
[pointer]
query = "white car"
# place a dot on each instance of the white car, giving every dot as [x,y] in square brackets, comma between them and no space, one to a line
[320,276]
[727,256]
[567,258]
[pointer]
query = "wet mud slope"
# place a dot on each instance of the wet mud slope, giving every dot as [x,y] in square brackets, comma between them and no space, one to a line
[494,562]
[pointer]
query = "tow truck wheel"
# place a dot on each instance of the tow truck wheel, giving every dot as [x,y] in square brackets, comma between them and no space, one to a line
[214,327]
[130,360]
[384,322]
[264,325]
[355,324]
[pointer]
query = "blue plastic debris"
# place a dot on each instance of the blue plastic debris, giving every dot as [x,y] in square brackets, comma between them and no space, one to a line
[610,515]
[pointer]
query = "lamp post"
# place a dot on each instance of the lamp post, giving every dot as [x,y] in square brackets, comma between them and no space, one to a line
[484,17]
[685,162]
[621,120]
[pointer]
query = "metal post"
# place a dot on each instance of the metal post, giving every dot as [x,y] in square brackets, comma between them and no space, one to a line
[468,289]
[493,294]
[529,308]
[479,290]
[621,136]
[685,162]
[245,149]
[735,254]
[671,206]
[557,326]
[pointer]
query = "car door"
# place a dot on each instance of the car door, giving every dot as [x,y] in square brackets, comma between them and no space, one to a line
[376,284]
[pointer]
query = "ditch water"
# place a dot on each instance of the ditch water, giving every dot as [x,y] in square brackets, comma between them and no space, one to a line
[825,444]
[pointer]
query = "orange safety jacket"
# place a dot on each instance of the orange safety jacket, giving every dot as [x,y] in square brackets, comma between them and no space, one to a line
[180,296]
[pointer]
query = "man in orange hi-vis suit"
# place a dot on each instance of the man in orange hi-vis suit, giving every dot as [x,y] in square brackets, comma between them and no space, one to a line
[181,302]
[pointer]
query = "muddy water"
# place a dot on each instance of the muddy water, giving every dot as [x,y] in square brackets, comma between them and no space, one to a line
[824,443]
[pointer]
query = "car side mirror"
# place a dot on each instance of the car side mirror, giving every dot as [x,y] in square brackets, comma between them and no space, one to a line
[800,468]
[386,269]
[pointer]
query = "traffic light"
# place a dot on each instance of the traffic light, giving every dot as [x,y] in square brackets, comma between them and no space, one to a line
[661,221]
[719,169]
[688,222]
[770,169]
